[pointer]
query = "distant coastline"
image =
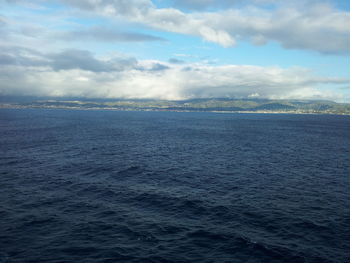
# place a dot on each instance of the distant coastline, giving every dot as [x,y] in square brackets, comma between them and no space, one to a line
[218,105]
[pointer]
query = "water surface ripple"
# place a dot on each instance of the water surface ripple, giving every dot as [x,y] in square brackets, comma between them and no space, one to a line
[109,186]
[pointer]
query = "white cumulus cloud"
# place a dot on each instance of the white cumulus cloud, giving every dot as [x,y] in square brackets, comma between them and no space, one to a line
[310,25]
[80,73]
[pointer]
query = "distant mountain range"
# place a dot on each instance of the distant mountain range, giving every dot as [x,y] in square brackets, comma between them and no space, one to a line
[210,104]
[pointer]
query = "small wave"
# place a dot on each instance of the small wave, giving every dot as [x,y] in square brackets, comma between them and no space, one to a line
[4,258]
[131,169]
[99,170]
[204,234]
[311,226]
[39,221]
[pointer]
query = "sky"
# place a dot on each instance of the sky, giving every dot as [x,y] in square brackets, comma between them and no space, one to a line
[176,49]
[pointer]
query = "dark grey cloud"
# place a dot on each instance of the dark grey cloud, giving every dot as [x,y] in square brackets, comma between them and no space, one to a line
[78,59]
[3,25]
[176,61]
[83,59]
[122,64]
[153,67]
[203,4]
[159,67]
[107,35]
[12,1]
[6,59]
[2,22]
[120,7]
[64,60]
[20,56]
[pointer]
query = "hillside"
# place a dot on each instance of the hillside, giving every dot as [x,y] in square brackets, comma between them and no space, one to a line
[216,104]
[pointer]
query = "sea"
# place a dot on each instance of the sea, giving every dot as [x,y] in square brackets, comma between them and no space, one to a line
[151,186]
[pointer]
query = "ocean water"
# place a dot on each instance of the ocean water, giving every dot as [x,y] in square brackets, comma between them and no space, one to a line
[110,186]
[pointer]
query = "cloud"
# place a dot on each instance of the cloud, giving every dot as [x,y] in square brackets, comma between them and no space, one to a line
[218,4]
[107,35]
[159,67]
[20,56]
[175,61]
[64,60]
[2,22]
[31,63]
[128,7]
[84,60]
[319,27]
[3,25]
[145,12]
[78,59]
[200,4]
[79,73]
[306,25]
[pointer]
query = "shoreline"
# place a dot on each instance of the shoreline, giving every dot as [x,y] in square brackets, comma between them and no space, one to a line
[9,106]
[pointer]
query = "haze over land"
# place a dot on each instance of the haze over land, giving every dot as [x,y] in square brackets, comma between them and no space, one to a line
[202,105]
[176,50]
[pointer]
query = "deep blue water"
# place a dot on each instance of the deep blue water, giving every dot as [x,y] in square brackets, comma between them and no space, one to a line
[109,186]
